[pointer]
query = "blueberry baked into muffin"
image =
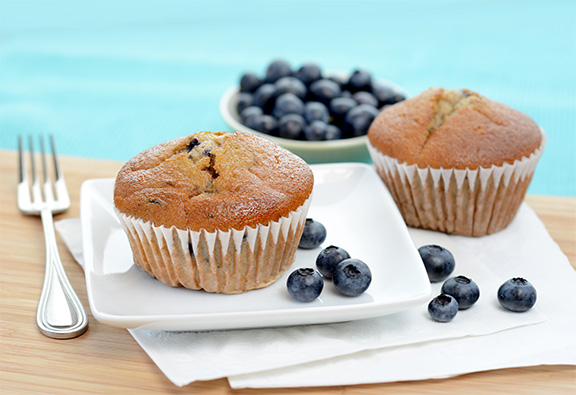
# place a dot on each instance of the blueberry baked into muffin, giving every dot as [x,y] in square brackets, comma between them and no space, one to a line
[455,161]
[222,212]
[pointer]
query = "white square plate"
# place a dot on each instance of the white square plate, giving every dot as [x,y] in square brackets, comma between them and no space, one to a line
[349,199]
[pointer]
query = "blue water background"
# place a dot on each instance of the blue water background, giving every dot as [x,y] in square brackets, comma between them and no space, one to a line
[111,78]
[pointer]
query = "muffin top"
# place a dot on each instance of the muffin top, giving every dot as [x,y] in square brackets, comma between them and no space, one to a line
[213,181]
[454,129]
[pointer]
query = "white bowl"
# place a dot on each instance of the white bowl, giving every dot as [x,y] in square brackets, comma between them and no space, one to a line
[344,150]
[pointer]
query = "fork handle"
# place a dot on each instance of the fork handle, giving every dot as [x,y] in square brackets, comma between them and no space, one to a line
[60,313]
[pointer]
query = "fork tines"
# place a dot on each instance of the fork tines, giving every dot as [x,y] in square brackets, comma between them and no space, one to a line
[32,197]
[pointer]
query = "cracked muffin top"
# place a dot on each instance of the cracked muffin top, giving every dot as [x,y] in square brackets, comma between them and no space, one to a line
[454,129]
[213,181]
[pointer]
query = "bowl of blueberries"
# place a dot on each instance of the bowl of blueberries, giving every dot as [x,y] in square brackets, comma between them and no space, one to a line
[321,116]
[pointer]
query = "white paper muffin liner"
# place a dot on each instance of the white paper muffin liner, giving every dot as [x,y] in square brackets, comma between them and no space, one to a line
[465,202]
[232,261]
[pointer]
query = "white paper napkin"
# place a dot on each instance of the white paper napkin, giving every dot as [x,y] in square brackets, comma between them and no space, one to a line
[278,356]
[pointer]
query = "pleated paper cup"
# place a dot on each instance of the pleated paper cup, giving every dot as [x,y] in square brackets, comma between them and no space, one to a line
[230,262]
[470,202]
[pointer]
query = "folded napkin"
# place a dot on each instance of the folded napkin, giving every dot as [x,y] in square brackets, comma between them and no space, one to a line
[402,346]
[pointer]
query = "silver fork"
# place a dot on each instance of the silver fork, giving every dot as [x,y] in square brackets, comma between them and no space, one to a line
[60,313]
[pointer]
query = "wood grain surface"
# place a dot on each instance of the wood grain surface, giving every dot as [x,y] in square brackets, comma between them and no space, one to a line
[108,360]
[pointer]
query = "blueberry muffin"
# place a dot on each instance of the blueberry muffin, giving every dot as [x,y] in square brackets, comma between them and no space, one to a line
[222,212]
[455,161]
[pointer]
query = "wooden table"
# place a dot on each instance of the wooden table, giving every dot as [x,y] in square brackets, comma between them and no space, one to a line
[108,360]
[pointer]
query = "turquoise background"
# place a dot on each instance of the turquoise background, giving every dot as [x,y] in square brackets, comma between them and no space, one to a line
[111,78]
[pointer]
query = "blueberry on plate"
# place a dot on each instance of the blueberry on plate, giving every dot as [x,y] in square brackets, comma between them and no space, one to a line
[305,284]
[463,289]
[438,261]
[277,69]
[288,103]
[313,235]
[309,73]
[328,258]
[352,277]
[443,308]
[249,82]
[290,126]
[517,294]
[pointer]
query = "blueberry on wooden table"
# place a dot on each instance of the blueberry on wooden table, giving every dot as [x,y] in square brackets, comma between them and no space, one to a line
[313,235]
[517,294]
[438,261]
[443,308]
[352,277]
[329,258]
[463,289]
[305,284]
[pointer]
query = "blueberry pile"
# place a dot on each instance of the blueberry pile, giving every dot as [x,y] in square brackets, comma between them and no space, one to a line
[351,277]
[461,292]
[305,104]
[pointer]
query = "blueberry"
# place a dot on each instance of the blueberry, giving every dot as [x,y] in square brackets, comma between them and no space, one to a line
[305,284]
[291,85]
[268,124]
[351,277]
[277,69]
[359,119]
[245,100]
[333,133]
[386,95]
[341,105]
[253,121]
[328,258]
[288,103]
[463,289]
[250,111]
[324,90]
[309,73]
[439,262]
[264,97]
[249,82]
[313,235]
[443,308]
[360,80]
[290,126]
[315,131]
[365,98]
[517,294]
[316,111]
